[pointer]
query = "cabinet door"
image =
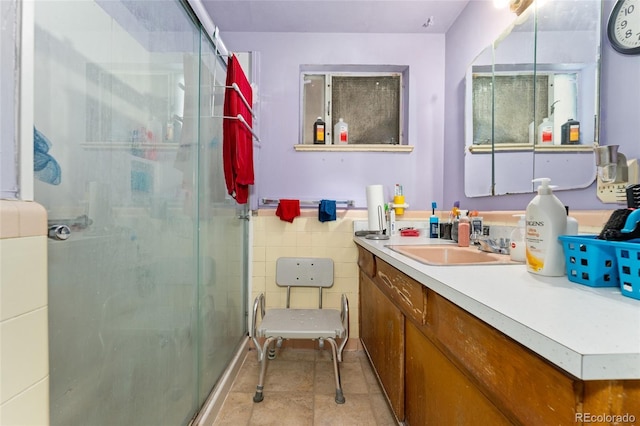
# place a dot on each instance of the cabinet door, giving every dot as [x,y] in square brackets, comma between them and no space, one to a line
[437,393]
[382,335]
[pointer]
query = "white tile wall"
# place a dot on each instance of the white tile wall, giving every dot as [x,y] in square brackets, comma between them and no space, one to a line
[24,354]
[306,237]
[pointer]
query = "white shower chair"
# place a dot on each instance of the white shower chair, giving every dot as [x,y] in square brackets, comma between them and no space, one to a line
[321,324]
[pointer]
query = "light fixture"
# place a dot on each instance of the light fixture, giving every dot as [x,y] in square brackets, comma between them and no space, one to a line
[519,6]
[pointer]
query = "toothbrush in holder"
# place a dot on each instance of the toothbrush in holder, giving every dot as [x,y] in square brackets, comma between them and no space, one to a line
[433,221]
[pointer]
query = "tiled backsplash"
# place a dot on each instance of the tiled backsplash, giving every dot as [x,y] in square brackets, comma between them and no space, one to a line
[24,362]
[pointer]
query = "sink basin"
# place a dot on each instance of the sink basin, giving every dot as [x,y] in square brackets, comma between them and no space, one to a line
[443,255]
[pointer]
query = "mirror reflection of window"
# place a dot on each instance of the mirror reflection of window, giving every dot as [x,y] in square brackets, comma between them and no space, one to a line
[564,102]
[514,106]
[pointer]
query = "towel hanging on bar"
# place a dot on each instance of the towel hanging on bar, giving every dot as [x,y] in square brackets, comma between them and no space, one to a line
[237,146]
[235,87]
[240,118]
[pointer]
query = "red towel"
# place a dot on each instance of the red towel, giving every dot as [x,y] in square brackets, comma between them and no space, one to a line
[237,140]
[288,210]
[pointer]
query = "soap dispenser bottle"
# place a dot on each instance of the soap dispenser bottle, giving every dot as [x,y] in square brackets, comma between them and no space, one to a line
[546,220]
[517,241]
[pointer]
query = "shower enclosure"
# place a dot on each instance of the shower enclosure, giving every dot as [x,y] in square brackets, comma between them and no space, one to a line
[148,260]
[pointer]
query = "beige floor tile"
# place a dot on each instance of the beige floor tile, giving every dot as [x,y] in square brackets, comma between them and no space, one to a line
[356,411]
[370,376]
[236,410]
[351,377]
[247,378]
[300,390]
[283,376]
[288,354]
[284,408]
[381,410]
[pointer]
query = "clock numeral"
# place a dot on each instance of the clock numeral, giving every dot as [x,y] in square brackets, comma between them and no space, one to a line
[629,9]
[623,24]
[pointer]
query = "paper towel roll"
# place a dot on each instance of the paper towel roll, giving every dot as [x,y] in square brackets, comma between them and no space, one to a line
[375,207]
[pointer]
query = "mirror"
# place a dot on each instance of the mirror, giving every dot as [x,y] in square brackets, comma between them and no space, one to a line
[531,102]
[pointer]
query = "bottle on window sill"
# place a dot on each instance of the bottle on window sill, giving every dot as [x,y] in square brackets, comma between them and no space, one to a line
[319,132]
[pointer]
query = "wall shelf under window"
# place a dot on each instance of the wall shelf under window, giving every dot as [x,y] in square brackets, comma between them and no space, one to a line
[354,148]
[506,147]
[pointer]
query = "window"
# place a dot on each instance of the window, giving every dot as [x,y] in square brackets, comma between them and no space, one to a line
[371,103]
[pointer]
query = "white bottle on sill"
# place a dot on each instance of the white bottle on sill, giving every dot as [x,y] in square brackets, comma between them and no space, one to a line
[341,133]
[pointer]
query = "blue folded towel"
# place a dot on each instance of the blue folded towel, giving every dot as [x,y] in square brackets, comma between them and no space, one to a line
[327,210]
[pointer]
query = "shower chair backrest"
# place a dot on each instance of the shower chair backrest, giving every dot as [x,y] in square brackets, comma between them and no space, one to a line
[304,272]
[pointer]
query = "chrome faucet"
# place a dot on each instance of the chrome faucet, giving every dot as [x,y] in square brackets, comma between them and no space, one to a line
[490,245]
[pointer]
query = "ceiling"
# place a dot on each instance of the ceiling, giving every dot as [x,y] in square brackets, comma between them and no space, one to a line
[335,16]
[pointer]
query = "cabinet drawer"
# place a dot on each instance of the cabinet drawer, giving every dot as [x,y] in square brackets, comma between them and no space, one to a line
[408,294]
[366,262]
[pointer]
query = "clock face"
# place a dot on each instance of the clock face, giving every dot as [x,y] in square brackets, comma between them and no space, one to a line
[624,27]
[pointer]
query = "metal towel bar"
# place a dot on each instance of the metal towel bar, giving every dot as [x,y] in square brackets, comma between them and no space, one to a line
[268,201]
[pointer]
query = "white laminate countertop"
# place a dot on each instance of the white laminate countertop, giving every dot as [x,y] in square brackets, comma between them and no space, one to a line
[592,333]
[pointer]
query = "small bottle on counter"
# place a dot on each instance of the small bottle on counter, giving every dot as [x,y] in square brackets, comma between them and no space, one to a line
[464,231]
[572,224]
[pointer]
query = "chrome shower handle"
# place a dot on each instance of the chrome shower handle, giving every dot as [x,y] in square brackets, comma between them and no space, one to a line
[59,232]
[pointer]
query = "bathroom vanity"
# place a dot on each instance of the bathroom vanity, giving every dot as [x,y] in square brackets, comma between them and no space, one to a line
[494,344]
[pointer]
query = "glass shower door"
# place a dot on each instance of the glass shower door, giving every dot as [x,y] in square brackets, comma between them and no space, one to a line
[222,231]
[143,294]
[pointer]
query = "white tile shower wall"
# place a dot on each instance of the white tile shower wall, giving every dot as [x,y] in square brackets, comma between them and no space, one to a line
[24,357]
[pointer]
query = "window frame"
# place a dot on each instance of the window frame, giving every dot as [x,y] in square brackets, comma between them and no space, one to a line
[330,72]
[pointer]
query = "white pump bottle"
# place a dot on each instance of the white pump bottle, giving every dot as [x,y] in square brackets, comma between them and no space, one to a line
[546,220]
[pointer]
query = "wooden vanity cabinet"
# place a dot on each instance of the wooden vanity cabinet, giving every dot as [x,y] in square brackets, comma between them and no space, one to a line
[382,334]
[437,392]
[440,365]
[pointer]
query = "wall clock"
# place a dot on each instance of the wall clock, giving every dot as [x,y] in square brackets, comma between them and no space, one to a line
[624,27]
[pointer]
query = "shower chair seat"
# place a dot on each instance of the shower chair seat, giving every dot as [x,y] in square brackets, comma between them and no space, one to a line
[316,324]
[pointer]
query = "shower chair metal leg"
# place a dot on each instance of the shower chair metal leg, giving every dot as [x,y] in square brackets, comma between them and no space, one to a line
[334,349]
[258,397]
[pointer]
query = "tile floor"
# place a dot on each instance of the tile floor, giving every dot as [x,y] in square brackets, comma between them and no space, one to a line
[300,390]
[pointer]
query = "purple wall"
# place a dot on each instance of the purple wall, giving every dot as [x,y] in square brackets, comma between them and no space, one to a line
[434,170]
[619,96]
[282,172]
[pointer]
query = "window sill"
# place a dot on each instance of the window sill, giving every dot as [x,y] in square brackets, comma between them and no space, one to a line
[354,148]
[486,149]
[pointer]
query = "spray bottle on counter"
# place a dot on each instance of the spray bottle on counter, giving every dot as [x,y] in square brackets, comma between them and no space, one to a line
[546,220]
